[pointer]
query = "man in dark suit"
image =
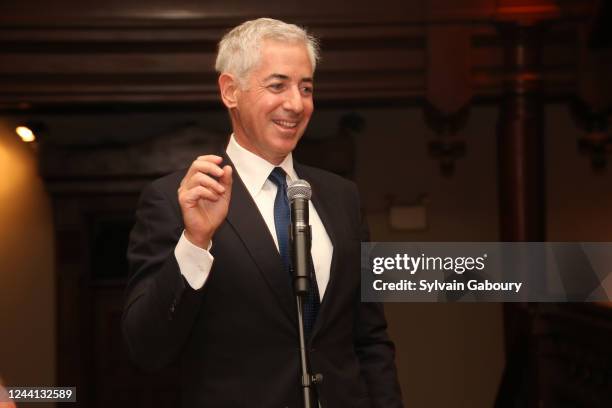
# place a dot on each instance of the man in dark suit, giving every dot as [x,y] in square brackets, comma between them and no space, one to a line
[210,283]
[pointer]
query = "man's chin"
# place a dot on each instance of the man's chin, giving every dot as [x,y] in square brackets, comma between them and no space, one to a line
[287,141]
[282,150]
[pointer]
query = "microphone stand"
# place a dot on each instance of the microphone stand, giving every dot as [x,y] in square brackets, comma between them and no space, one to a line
[300,238]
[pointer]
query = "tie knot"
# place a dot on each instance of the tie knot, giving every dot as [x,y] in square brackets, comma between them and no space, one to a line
[278,177]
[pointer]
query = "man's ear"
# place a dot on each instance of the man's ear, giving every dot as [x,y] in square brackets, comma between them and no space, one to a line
[229,88]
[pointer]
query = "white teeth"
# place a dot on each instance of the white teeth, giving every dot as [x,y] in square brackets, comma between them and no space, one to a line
[286,124]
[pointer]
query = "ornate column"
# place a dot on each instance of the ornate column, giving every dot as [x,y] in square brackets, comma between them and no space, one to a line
[520,128]
[521,175]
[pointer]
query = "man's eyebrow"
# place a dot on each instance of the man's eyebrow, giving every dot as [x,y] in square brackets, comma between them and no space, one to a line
[285,77]
[276,76]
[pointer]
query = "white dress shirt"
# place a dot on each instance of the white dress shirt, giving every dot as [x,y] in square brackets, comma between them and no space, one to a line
[195,263]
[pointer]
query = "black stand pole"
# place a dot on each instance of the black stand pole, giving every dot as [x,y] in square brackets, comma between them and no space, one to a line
[308,380]
[301,241]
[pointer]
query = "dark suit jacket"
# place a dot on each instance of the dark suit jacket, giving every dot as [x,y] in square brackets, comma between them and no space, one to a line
[236,338]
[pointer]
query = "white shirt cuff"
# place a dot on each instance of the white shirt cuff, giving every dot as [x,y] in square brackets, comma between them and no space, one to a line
[194,262]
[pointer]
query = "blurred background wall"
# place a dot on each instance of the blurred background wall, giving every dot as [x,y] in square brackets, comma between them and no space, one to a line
[27,274]
[413,99]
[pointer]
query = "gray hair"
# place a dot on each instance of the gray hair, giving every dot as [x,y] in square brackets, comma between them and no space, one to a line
[239,49]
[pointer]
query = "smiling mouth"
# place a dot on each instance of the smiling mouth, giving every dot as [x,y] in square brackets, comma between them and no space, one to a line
[286,124]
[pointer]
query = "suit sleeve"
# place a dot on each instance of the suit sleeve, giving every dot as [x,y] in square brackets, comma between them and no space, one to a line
[374,348]
[160,306]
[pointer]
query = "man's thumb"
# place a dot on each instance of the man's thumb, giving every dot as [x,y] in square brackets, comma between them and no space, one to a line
[226,178]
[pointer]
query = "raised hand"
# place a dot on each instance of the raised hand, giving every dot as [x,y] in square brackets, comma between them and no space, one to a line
[204,196]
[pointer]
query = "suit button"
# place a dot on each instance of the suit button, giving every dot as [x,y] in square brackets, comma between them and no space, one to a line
[171,312]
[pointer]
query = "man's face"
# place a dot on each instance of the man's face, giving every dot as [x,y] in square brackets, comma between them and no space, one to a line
[273,110]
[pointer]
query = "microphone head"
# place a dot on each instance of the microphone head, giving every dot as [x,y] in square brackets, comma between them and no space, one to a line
[299,189]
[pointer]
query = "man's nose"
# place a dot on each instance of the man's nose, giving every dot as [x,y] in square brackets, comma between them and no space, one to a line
[293,100]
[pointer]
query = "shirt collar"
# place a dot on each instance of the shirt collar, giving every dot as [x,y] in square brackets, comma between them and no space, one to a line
[254,170]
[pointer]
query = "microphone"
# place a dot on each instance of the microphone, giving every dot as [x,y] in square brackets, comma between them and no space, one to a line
[299,193]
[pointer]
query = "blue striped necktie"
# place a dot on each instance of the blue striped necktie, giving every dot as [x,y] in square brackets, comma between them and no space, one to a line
[282,219]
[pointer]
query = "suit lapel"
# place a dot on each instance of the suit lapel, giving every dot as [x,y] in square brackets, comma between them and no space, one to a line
[243,215]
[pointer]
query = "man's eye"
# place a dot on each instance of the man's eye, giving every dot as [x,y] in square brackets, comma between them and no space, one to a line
[275,87]
[307,90]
